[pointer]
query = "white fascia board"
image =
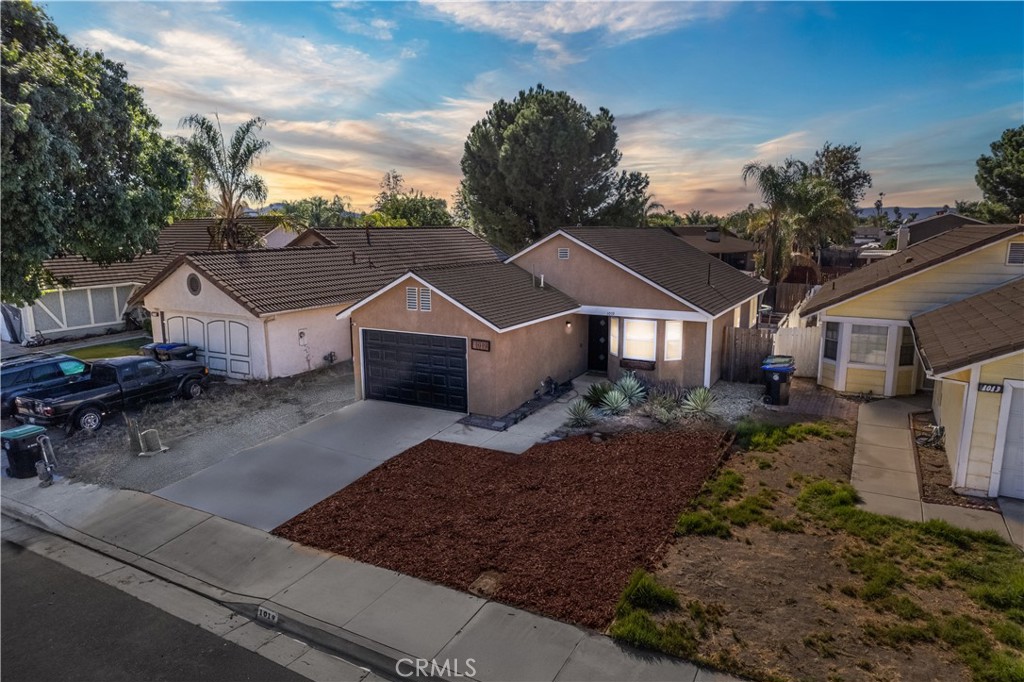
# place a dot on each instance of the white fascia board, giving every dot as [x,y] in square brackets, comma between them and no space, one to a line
[642,313]
[591,249]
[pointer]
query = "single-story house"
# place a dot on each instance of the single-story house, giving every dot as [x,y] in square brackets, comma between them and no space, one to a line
[919,230]
[867,345]
[974,351]
[720,242]
[264,313]
[96,298]
[484,338]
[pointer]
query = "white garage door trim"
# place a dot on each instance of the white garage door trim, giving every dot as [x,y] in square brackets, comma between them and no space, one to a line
[1011,388]
[225,345]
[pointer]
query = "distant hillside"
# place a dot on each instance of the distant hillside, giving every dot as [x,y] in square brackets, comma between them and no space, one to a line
[922,212]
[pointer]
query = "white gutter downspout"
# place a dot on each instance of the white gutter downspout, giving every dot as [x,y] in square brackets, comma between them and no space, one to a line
[266,346]
[709,330]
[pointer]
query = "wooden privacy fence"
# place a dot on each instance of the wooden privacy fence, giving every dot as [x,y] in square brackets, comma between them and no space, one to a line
[804,344]
[745,349]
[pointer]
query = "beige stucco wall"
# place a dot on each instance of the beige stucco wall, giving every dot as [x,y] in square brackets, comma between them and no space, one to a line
[499,380]
[981,454]
[324,333]
[592,280]
[865,381]
[689,371]
[946,283]
[718,340]
[172,298]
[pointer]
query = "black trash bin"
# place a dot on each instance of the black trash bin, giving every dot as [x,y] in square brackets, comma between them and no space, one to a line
[778,369]
[22,450]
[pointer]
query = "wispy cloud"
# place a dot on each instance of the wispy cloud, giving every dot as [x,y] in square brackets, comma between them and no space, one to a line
[548,25]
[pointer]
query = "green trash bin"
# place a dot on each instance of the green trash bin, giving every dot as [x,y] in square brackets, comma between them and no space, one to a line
[22,450]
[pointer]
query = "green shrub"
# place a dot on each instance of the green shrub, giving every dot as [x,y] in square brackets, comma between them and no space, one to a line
[614,402]
[631,387]
[702,523]
[643,592]
[581,414]
[668,391]
[596,393]
[699,403]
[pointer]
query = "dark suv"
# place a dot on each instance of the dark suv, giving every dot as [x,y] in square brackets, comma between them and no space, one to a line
[35,371]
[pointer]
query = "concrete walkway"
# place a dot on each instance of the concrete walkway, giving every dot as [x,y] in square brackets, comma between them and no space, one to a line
[885,473]
[366,614]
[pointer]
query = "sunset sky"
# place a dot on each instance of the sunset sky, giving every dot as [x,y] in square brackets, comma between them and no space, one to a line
[351,90]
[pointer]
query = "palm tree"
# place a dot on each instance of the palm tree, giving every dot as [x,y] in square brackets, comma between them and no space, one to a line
[777,185]
[648,208]
[820,215]
[227,167]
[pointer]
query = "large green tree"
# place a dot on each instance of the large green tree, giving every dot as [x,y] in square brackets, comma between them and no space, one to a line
[408,206]
[840,165]
[84,169]
[228,168]
[540,162]
[1001,176]
[316,211]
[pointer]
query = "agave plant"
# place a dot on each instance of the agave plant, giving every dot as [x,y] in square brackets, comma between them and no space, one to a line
[699,402]
[632,388]
[595,396]
[581,413]
[615,402]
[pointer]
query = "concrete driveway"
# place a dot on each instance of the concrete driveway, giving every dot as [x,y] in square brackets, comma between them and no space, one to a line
[266,485]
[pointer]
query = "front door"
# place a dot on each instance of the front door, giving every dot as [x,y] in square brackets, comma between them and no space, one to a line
[597,356]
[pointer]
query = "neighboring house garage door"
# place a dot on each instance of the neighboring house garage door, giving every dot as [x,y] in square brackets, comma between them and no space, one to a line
[415,369]
[224,344]
[1011,478]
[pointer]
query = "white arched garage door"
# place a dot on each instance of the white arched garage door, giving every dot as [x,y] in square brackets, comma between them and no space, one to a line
[224,344]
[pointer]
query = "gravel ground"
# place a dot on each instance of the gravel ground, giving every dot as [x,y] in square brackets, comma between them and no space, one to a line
[231,417]
[736,401]
[556,530]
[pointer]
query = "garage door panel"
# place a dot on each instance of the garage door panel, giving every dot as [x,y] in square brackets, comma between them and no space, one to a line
[1011,477]
[416,369]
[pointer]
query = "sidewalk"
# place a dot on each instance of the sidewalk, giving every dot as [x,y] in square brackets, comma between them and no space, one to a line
[366,614]
[885,473]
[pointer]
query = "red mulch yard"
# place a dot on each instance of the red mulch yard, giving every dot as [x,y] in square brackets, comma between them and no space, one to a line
[556,530]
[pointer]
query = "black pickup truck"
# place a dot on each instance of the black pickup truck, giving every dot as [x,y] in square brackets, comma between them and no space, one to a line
[114,384]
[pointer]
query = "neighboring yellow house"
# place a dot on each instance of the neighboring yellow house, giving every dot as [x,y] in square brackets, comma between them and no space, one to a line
[974,350]
[867,344]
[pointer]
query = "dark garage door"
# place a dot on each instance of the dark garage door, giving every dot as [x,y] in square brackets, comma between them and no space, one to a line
[415,369]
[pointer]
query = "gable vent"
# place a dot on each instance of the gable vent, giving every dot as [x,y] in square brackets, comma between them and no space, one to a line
[563,253]
[425,300]
[1015,255]
[410,299]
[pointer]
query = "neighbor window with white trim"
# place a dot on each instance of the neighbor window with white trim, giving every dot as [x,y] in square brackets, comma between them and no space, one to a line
[831,340]
[613,336]
[674,340]
[868,343]
[640,339]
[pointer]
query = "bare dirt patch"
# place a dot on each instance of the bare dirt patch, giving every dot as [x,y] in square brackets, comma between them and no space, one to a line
[557,530]
[934,473]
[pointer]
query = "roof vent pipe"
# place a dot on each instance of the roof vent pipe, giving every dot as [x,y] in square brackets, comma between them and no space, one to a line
[542,280]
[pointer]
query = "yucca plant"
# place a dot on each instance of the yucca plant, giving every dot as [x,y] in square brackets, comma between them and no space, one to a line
[615,402]
[700,403]
[581,413]
[631,387]
[595,395]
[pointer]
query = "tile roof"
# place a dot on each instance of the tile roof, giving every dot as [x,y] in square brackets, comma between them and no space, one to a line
[349,237]
[937,224]
[503,294]
[914,258]
[177,238]
[267,281]
[984,326]
[696,235]
[661,257]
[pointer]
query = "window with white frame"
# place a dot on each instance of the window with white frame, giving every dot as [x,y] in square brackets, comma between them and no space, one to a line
[907,351]
[639,339]
[613,336]
[425,300]
[563,253]
[831,340]
[673,340]
[411,298]
[868,344]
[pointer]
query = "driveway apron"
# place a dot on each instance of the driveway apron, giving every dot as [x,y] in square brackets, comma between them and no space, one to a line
[266,485]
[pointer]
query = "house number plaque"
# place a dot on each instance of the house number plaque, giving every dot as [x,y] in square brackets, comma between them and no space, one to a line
[480,344]
[990,388]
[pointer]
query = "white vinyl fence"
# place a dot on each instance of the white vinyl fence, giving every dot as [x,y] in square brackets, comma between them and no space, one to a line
[804,344]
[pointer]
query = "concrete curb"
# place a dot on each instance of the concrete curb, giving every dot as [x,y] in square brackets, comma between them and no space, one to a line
[377,658]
